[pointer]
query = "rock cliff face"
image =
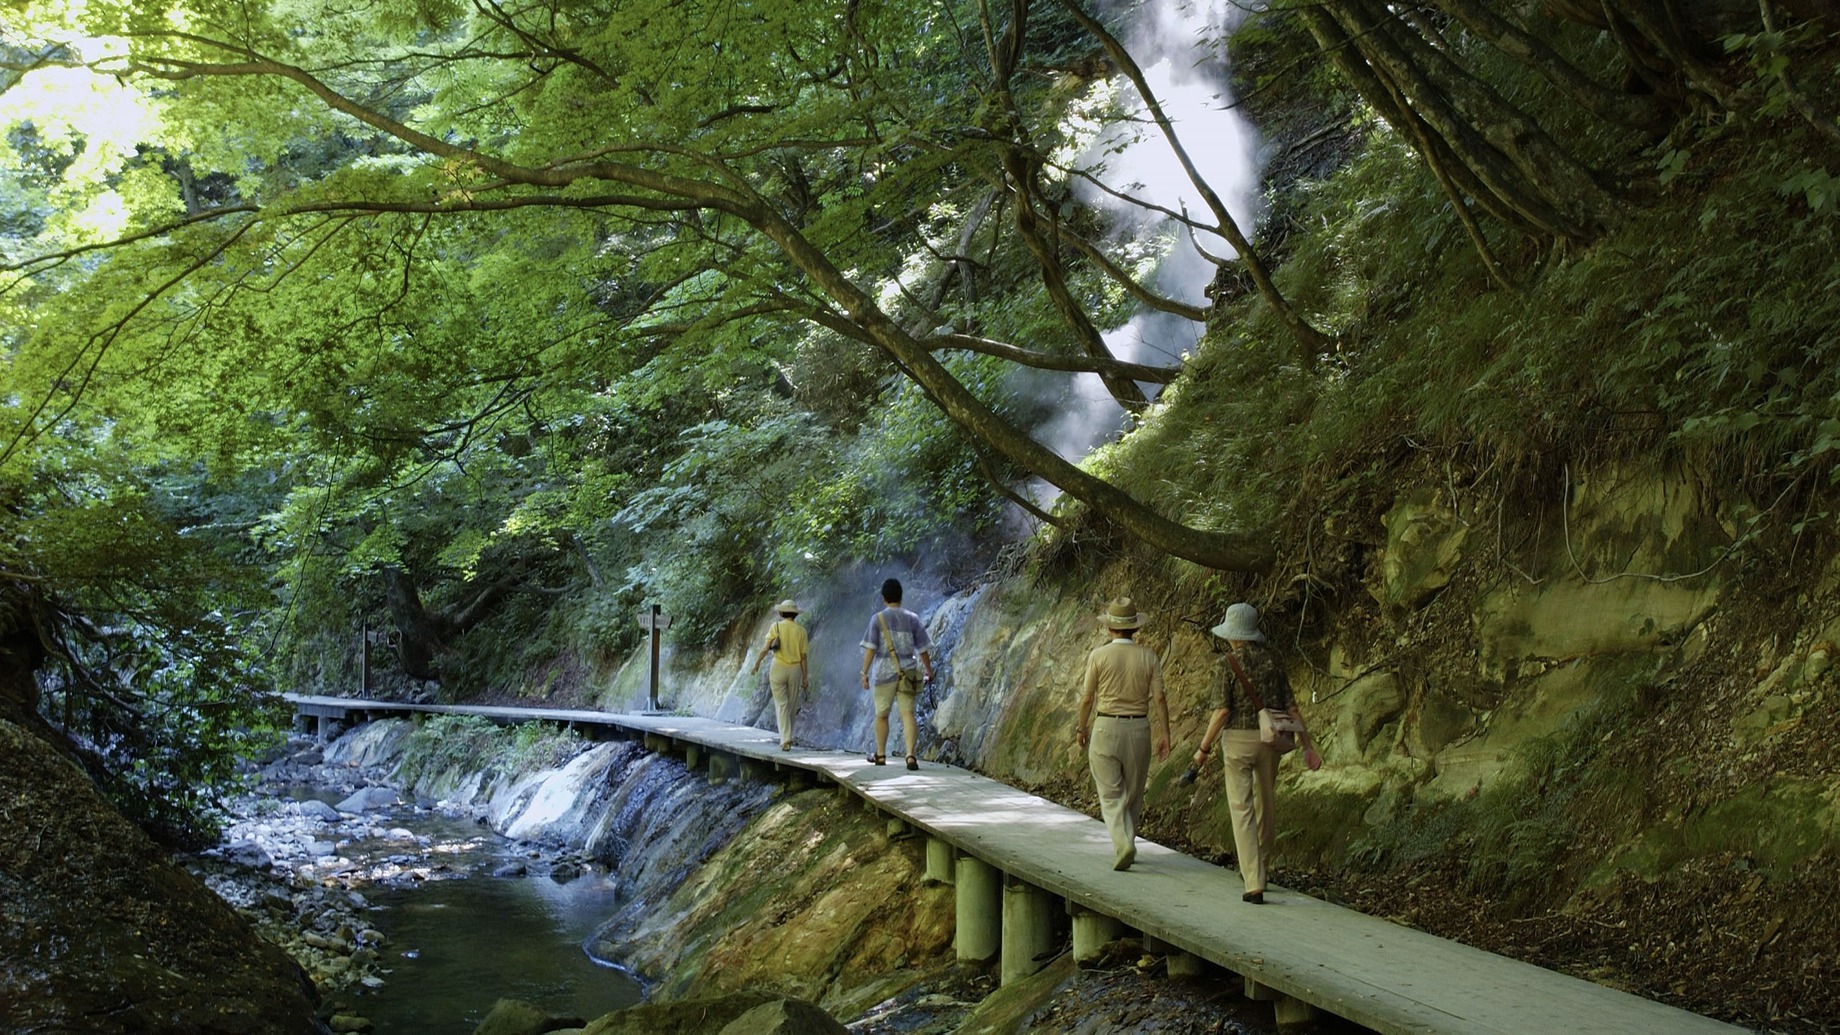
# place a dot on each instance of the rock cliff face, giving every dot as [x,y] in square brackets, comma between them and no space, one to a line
[101,932]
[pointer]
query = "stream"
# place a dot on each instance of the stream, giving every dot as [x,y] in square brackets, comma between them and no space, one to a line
[417,917]
[456,945]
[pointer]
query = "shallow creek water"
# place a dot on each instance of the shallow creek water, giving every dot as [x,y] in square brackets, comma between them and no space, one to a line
[462,939]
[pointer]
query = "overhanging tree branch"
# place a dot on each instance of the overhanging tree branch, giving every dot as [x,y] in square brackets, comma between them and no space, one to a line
[672,190]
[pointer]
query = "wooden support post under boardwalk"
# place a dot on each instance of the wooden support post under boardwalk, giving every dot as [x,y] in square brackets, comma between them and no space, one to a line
[755,770]
[1289,1012]
[723,766]
[1092,932]
[980,910]
[1185,964]
[693,756]
[938,861]
[1028,929]
[658,743]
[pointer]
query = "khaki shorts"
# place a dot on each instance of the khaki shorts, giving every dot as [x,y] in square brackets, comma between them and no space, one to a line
[907,685]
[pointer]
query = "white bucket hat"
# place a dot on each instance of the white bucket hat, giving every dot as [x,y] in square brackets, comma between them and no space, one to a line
[786,606]
[1122,614]
[1241,623]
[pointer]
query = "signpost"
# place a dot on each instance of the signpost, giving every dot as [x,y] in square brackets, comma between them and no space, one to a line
[654,623]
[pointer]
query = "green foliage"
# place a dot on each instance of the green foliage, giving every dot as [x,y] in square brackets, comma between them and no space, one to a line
[145,620]
[447,742]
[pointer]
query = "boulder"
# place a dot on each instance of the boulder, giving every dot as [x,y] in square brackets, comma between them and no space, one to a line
[103,933]
[684,1017]
[313,808]
[516,1017]
[368,799]
[250,854]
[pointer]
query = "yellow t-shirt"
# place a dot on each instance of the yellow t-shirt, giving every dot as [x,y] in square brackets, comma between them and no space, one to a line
[793,646]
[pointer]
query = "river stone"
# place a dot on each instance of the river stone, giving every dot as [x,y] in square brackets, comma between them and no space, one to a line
[784,1017]
[249,853]
[345,1022]
[516,1017]
[512,869]
[313,808]
[367,799]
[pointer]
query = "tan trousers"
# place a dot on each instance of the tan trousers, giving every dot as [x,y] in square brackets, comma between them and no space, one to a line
[905,690]
[1252,774]
[1119,755]
[784,679]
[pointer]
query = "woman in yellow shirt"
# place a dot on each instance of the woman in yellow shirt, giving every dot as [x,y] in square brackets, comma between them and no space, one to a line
[791,672]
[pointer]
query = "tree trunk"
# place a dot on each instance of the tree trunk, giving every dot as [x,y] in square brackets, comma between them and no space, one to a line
[421,632]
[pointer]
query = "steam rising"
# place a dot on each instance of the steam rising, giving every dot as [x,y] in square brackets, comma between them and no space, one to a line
[1180,46]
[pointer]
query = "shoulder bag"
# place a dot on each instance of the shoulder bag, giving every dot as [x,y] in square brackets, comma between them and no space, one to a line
[1276,728]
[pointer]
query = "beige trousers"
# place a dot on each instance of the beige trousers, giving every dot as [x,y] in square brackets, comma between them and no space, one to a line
[1119,755]
[784,679]
[1252,774]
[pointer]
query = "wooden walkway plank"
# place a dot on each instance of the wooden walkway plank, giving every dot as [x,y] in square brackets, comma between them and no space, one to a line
[1377,973]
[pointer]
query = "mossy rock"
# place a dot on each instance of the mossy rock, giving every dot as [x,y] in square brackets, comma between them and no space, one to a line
[1776,825]
[685,1017]
[1012,1007]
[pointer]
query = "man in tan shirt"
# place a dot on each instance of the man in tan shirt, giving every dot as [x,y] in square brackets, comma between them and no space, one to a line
[1123,681]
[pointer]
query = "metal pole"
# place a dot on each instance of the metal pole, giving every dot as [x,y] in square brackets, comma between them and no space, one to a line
[654,683]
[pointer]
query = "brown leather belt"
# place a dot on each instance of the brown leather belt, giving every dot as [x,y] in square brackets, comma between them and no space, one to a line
[1108,715]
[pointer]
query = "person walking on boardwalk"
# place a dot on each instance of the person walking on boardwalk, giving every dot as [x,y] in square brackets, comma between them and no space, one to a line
[1250,680]
[1122,683]
[790,675]
[899,636]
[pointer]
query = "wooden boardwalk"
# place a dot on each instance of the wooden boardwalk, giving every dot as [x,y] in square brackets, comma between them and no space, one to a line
[1379,974]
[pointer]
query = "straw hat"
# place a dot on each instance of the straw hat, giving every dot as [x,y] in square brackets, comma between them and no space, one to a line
[786,606]
[1241,623]
[1122,614]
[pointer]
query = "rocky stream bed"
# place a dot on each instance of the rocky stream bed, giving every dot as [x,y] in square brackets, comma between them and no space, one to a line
[313,855]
